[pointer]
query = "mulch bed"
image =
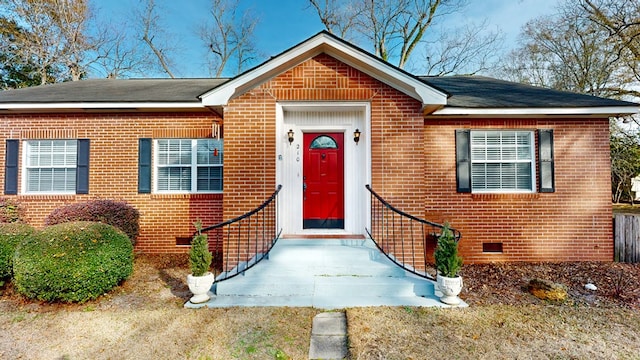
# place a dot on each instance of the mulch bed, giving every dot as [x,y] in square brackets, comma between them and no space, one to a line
[618,284]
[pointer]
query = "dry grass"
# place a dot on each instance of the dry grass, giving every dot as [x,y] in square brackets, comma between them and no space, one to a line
[626,209]
[495,332]
[144,319]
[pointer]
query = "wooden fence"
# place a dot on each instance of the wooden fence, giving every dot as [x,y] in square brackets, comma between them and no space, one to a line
[627,238]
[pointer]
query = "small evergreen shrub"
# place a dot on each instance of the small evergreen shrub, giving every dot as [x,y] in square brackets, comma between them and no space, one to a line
[10,236]
[199,255]
[448,262]
[117,213]
[11,211]
[72,262]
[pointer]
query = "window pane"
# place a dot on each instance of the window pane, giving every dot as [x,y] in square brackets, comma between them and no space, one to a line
[478,179]
[524,153]
[524,176]
[501,160]
[179,170]
[174,179]
[210,179]
[493,176]
[509,153]
[524,138]
[508,176]
[478,138]
[508,138]
[210,152]
[174,152]
[51,165]
[323,142]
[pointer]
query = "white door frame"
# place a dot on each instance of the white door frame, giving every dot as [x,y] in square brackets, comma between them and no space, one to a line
[304,117]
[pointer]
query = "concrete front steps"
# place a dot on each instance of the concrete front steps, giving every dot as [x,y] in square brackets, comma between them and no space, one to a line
[326,274]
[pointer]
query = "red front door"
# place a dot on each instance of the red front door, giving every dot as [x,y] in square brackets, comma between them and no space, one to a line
[323,181]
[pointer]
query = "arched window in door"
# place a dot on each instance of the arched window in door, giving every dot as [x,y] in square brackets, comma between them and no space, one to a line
[323,142]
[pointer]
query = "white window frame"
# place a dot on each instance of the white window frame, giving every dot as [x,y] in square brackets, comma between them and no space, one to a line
[193,165]
[531,160]
[26,166]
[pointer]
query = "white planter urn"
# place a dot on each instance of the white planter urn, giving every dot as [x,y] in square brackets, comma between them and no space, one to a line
[200,286]
[450,288]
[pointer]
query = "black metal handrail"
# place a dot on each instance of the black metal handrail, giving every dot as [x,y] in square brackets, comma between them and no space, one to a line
[397,233]
[252,236]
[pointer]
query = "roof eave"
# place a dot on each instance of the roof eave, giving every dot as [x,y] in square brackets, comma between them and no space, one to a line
[552,111]
[97,106]
[324,43]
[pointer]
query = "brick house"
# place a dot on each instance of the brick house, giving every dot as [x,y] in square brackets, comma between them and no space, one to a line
[522,172]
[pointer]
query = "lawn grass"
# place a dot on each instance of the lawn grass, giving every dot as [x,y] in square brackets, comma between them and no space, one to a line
[495,332]
[145,319]
[490,332]
[235,333]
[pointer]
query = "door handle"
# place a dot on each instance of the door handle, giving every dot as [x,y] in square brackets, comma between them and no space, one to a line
[304,186]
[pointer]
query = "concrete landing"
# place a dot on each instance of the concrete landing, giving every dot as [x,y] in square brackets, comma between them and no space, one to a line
[326,274]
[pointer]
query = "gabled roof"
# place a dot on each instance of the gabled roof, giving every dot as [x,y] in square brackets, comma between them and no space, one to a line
[449,96]
[479,95]
[337,48]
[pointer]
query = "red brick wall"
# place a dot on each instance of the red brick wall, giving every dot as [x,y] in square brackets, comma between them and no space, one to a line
[396,134]
[574,223]
[113,169]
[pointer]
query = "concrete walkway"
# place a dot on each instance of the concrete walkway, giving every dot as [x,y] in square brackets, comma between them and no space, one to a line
[326,274]
[329,337]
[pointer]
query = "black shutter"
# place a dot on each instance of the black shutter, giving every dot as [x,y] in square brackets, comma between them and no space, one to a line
[463,161]
[82,167]
[144,166]
[545,159]
[11,167]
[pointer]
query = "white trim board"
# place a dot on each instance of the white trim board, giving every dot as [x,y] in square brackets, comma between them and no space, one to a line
[318,44]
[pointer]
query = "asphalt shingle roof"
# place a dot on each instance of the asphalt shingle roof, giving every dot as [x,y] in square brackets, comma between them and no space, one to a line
[484,92]
[464,91]
[112,90]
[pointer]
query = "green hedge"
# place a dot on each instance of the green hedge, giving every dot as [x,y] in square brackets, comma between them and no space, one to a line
[72,262]
[10,236]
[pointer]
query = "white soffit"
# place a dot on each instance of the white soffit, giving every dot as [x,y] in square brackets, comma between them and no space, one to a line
[581,111]
[324,43]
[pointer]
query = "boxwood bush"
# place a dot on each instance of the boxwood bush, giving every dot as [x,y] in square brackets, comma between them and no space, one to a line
[117,213]
[72,262]
[10,236]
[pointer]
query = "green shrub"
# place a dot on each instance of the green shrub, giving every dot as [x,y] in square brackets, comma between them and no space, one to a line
[72,262]
[199,255]
[10,211]
[10,236]
[117,213]
[448,262]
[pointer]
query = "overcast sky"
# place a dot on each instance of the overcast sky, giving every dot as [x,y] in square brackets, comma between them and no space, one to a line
[284,23]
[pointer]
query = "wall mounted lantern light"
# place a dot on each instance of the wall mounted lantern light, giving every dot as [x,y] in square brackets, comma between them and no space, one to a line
[356,136]
[290,136]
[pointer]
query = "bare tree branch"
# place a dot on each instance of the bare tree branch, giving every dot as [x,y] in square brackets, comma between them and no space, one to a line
[336,16]
[463,51]
[567,52]
[150,26]
[228,36]
[50,36]
[393,28]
